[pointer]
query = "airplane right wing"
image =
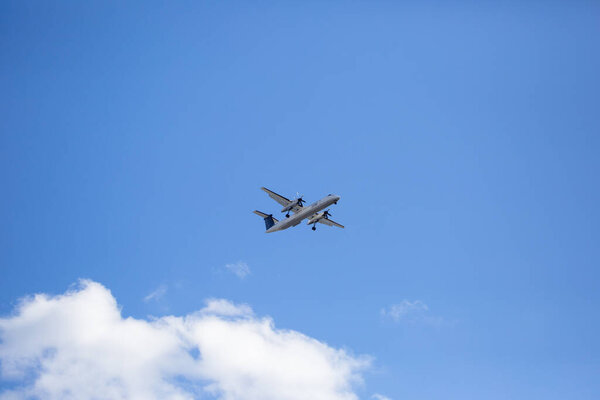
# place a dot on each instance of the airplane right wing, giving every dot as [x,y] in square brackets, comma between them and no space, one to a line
[328,222]
[277,197]
[282,200]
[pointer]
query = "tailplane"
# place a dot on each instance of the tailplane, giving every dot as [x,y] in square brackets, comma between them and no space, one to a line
[269,220]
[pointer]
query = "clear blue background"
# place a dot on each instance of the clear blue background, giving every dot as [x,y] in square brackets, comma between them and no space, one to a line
[462,136]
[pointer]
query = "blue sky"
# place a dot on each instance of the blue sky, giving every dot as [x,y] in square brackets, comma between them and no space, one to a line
[461,136]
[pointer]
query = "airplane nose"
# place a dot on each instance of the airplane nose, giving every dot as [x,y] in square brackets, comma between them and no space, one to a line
[336,198]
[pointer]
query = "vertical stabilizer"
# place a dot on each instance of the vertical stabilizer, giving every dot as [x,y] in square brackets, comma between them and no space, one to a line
[269,220]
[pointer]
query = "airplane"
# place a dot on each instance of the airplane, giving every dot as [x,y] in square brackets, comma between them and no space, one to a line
[312,212]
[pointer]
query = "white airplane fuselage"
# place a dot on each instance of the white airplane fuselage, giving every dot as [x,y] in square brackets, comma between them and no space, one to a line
[304,212]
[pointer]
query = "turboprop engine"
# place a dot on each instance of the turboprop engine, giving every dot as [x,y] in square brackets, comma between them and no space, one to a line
[291,206]
[318,217]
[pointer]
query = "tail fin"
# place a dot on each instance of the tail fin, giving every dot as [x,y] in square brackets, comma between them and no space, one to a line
[269,220]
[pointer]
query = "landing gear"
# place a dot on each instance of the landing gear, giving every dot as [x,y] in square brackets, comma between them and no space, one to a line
[287,215]
[314,228]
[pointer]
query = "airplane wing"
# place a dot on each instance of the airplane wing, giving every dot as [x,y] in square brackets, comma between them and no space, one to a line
[281,200]
[326,221]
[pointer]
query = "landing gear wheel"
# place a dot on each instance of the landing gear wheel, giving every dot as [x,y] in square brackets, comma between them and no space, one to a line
[314,228]
[287,215]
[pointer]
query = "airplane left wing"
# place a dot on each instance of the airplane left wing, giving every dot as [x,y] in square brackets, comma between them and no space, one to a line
[328,222]
[281,200]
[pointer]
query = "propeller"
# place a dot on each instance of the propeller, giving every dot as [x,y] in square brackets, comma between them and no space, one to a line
[299,199]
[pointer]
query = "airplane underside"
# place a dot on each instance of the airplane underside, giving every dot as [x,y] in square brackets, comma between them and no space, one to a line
[312,212]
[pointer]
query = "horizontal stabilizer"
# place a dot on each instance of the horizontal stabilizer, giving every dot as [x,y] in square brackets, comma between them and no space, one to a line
[263,215]
[269,220]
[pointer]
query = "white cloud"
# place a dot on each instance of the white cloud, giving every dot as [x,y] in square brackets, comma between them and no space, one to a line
[156,294]
[378,396]
[413,312]
[226,308]
[240,269]
[405,309]
[78,346]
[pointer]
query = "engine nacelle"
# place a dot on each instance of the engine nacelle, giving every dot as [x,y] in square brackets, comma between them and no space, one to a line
[288,208]
[315,219]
